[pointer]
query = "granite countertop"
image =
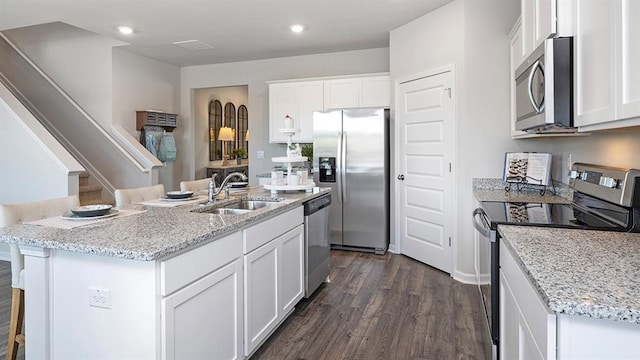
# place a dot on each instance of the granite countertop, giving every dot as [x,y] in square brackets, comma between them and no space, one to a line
[494,190]
[580,272]
[156,233]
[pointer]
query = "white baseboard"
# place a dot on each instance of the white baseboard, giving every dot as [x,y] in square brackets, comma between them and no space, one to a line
[465,278]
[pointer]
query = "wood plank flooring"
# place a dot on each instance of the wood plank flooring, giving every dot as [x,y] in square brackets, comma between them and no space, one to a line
[376,307]
[382,307]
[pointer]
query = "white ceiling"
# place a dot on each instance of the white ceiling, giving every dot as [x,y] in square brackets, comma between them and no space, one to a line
[238,29]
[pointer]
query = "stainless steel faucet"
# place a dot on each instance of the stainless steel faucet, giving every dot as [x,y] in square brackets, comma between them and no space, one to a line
[213,191]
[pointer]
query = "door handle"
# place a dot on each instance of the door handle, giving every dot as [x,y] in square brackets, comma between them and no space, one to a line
[537,65]
[401,177]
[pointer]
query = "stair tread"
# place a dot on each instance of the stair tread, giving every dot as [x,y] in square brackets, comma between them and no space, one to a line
[90,187]
[97,201]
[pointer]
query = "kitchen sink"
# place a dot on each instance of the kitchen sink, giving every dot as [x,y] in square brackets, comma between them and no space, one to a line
[228,211]
[238,207]
[249,204]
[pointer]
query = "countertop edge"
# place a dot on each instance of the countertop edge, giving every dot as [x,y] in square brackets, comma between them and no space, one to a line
[558,306]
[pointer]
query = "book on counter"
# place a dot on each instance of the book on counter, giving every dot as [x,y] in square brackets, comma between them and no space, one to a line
[527,168]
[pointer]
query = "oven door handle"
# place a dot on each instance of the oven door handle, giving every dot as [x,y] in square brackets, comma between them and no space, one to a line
[481,225]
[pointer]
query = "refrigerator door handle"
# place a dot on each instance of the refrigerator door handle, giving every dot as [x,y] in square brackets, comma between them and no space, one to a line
[343,170]
[339,161]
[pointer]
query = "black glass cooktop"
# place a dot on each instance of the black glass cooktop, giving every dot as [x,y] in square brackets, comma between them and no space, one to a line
[550,215]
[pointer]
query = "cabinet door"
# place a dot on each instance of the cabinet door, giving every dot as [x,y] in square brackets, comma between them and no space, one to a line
[292,260]
[594,53]
[341,94]
[627,66]
[282,102]
[509,322]
[310,98]
[375,92]
[517,57]
[261,295]
[538,22]
[204,320]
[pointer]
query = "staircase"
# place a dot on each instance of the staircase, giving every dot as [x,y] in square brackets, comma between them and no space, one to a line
[91,194]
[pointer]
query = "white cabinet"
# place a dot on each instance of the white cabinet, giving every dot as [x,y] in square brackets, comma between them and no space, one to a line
[201,302]
[527,327]
[298,100]
[357,92]
[517,57]
[538,22]
[607,51]
[542,19]
[261,294]
[203,320]
[594,53]
[274,278]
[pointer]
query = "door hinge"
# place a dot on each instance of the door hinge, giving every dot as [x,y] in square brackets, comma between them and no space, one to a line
[448,90]
[449,167]
[449,241]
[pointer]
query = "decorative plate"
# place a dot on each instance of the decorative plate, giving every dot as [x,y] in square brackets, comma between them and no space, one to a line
[91,210]
[179,194]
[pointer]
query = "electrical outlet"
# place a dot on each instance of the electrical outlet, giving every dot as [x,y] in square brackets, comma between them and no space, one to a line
[260,154]
[100,298]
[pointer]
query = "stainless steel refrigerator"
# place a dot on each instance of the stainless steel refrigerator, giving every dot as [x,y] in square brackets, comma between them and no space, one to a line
[351,155]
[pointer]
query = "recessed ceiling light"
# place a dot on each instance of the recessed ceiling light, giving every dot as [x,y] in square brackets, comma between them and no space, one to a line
[296,28]
[125,30]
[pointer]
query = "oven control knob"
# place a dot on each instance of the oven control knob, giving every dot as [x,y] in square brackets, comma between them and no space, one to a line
[608,182]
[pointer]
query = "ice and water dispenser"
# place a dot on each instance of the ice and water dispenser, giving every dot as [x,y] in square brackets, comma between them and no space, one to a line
[327,169]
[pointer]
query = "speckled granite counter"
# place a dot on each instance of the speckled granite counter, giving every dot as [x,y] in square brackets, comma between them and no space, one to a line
[156,233]
[578,272]
[494,190]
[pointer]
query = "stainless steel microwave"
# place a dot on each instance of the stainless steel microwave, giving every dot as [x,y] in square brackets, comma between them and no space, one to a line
[544,88]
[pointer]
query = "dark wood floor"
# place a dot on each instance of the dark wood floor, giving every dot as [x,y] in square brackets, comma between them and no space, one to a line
[376,307]
[382,307]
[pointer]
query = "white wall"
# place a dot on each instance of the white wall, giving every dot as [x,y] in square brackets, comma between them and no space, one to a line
[140,83]
[78,61]
[471,35]
[255,74]
[237,95]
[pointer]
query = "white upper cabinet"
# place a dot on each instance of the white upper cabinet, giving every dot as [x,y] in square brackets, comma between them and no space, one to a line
[628,66]
[298,100]
[607,51]
[357,92]
[542,19]
[517,57]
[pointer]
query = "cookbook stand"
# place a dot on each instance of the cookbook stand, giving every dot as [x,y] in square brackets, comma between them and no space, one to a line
[293,156]
[524,184]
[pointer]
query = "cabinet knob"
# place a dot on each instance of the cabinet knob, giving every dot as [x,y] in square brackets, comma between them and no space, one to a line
[401,177]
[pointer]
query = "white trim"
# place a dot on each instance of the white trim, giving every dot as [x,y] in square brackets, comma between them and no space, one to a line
[335,77]
[135,148]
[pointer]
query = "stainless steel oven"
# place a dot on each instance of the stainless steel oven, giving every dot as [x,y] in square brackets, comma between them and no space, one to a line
[604,198]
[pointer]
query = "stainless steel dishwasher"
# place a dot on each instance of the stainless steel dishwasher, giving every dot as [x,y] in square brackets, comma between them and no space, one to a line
[316,243]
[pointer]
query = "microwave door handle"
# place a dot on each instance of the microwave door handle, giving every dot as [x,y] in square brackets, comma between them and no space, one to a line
[536,107]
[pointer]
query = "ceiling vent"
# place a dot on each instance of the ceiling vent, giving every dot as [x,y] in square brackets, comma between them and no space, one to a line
[193,45]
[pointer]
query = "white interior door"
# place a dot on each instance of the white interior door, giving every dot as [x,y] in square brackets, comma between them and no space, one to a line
[425,118]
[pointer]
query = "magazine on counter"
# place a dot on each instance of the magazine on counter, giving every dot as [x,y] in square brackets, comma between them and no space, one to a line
[528,168]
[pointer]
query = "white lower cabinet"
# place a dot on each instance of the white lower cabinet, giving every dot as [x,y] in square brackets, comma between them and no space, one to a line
[273,275]
[204,320]
[201,303]
[527,327]
[261,294]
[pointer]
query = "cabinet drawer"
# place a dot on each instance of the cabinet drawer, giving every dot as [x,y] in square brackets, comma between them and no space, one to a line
[183,269]
[162,119]
[172,120]
[537,317]
[151,118]
[260,234]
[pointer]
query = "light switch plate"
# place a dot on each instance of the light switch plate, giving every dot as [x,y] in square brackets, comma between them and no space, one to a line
[260,154]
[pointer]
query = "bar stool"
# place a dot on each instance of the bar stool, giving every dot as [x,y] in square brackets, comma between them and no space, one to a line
[13,214]
[125,198]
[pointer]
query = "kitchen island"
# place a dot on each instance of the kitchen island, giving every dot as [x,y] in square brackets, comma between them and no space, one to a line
[166,283]
[569,294]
